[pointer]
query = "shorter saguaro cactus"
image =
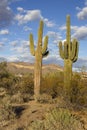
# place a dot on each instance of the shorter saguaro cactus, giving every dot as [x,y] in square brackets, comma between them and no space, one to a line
[39,53]
[69,52]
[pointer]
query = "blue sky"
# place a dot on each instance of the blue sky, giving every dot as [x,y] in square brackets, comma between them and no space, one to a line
[18,18]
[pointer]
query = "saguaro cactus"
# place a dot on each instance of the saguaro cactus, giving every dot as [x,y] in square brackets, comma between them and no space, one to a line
[39,53]
[69,52]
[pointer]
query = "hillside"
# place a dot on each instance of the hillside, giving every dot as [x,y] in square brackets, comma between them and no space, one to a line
[24,67]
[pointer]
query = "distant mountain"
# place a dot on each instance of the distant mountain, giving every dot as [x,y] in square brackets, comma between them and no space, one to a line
[25,67]
[2,59]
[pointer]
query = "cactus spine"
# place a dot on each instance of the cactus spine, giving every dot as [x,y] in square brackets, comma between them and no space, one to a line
[69,52]
[39,53]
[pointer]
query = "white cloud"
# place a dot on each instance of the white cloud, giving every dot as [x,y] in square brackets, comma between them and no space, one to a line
[20,9]
[80,33]
[20,51]
[63,27]
[82,14]
[21,48]
[4,32]
[12,58]
[23,57]
[26,28]
[49,23]
[25,16]
[30,15]
[73,28]
[53,59]
[14,43]
[55,36]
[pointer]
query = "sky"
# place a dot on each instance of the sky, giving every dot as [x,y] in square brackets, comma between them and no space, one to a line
[19,18]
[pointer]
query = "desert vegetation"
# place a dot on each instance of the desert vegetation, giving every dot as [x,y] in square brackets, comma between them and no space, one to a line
[56,112]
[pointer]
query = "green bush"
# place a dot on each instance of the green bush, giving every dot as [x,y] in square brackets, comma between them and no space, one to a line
[82,93]
[79,90]
[3,70]
[52,84]
[7,79]
[44,98]
[6,111]
[26,84]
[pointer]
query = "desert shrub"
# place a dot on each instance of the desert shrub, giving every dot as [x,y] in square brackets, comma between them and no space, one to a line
[52,84]
[82,93]
[6,111]
[79,90]
[17,98]
[7,79]
[27,97]
[3,70]
[26,84]
[37,125]
[2,92]
[58,119]
[44,98]
[10,84]
[74,87]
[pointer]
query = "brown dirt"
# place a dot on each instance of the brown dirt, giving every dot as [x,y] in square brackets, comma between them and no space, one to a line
[33,111]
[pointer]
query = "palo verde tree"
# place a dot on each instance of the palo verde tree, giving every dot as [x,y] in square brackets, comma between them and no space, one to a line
[69,52]
[39,53]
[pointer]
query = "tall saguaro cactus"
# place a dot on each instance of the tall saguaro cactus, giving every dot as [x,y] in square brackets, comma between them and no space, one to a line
[69,52]
[39,53]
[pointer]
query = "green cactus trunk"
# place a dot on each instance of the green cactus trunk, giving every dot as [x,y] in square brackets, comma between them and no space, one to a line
[68,62]
[37,73]
[67,76]
[39,53]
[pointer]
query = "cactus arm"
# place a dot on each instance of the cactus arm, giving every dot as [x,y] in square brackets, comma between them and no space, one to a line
[45,54]
[76,54]
[44,48]
[32,50]
[65,50]
[61,51]
[73,49]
